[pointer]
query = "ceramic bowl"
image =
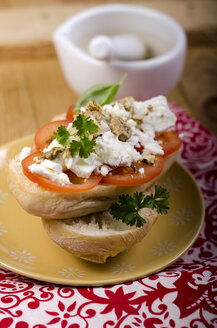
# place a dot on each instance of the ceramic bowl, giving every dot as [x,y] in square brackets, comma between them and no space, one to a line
[146,78]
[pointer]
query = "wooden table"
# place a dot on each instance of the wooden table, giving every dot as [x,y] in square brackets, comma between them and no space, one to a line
[32,87]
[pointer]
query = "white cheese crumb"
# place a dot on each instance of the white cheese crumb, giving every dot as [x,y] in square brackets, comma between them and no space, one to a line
[134,141]
[150,145]
[104,170]
[114,152]
[82,109]
[52,165]
[116,110]
[82,167]
[54,143]
[51,170]
[26,151]
[158,114]
[104,127]
[131,123]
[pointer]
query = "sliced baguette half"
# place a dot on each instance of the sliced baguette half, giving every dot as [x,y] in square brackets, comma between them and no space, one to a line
[96,237]
[50,204]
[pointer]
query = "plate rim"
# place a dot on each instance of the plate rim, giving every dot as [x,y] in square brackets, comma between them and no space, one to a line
[115,280]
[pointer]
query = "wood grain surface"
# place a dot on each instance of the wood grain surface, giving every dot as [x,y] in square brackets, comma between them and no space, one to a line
[32,87]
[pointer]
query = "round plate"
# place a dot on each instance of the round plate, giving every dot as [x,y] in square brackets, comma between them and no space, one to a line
[25,247]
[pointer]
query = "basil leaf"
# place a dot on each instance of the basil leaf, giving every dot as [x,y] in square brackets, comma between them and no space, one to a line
[103,93]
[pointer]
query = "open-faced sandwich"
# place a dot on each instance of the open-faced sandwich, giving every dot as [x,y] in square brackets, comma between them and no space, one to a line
[89,174]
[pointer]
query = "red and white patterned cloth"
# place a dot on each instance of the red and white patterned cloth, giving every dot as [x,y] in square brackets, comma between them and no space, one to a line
[181,296]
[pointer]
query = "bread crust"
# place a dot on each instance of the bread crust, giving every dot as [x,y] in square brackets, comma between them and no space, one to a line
[97,247]
[50,204]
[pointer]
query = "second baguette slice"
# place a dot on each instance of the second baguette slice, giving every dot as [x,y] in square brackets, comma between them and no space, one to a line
[96,237]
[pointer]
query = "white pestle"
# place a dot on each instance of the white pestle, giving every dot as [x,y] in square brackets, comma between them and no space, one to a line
[123,47]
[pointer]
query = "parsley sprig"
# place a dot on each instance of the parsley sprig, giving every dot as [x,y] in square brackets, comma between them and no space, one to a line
[127,208]
[83,146]
[84,127]
[62,135]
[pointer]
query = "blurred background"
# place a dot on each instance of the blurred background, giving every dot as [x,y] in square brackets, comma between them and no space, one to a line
[32,86]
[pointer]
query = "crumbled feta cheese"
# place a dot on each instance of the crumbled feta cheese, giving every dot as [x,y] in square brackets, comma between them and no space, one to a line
[54,143]
[82,167]
[144,120]
[104,127]
[150,145]
[141,170]
[139,109]
[116,110]
[114,152]
[52,165]
[150,158]
[53,172]
[104,170]
[158,114]
[131,123]
[153,147]
[69,127]
[134,141]
[82,109]
[26,151]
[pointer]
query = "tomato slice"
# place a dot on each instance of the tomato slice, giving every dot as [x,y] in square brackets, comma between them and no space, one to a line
[130,176]
[70,113]
[170,142]
[44,135]
[83,185]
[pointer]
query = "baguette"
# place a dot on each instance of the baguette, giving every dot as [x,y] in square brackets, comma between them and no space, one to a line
[96,237]
[50,204]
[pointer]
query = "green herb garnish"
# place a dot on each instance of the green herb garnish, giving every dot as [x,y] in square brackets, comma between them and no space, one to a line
[84,126]
[62,135]
[127,208]
[103,93]
[84,146]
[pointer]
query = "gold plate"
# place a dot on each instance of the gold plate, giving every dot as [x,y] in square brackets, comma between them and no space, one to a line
[26,249]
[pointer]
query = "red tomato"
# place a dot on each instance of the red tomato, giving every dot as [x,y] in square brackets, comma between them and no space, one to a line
[79,186]
[70,113]
[170,142]
[129,176]
[45,134]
